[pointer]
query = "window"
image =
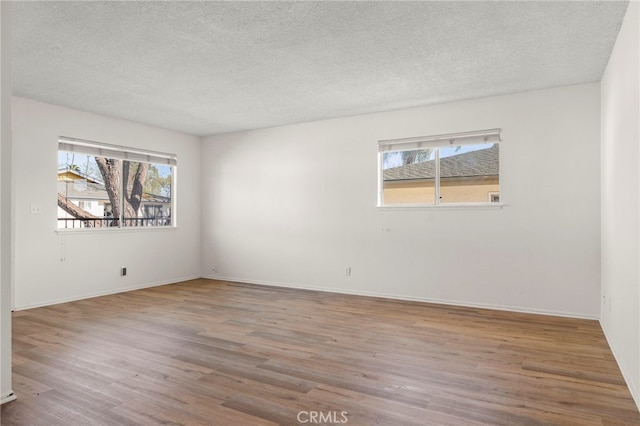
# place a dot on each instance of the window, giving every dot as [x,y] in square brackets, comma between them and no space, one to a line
[451,169]
[102,186]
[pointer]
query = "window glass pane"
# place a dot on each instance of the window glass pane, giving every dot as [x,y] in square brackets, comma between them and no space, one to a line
[469,174]
[98,192]
[81,192]
[408,177]
[147,195]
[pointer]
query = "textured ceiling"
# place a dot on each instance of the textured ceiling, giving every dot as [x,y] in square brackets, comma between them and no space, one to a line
[215,67]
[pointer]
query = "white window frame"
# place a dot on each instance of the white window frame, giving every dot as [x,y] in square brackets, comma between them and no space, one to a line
[437,141]
[99,149]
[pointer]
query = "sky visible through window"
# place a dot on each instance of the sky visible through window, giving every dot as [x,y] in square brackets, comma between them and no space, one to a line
[87,165]
[394,159]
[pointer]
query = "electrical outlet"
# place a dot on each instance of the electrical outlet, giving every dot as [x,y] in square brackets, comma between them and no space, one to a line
[347,271]
[123,271]
[36,209]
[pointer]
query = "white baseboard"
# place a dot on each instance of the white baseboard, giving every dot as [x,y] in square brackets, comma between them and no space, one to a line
[507,308]
[10,396]
[105,293]
[625,374]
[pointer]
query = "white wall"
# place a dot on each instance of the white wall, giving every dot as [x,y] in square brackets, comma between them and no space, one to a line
[295,206]
[51,267]
[6,205]
[621,200]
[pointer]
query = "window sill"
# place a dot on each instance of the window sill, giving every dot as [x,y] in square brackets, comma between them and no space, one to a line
[79,231]
[450,206]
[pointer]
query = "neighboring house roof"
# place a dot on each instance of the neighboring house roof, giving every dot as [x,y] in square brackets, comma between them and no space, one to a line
[483,162]
[82,190]
[71,174]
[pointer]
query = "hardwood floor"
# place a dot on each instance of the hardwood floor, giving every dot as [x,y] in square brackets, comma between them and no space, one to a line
[206,352]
